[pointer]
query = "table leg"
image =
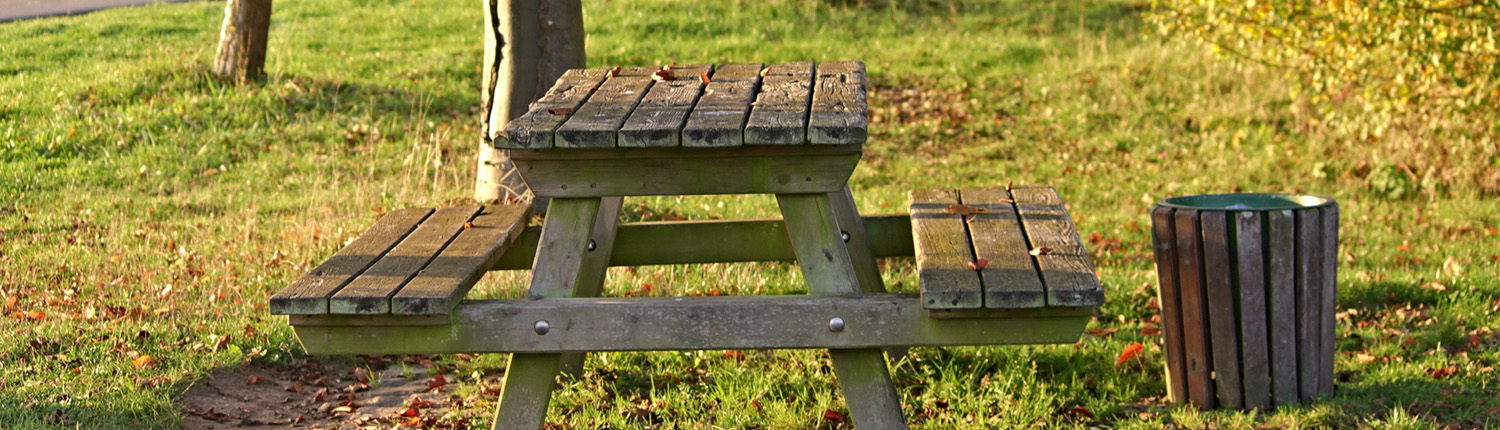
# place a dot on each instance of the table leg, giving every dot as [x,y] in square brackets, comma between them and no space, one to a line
[592,272]
[865,266]
[565,265]
[812,222]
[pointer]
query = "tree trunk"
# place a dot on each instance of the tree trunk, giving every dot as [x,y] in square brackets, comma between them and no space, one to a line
[242,40]
[526,47]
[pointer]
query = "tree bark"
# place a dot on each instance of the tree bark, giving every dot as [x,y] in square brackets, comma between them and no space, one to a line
[242,40]
[527,47]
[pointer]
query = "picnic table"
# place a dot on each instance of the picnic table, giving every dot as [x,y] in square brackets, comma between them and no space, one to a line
[998,265]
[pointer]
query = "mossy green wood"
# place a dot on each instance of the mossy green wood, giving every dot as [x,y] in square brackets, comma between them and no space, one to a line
[693,242]
[726,322]
[592,272]
[686,171]
[828,269]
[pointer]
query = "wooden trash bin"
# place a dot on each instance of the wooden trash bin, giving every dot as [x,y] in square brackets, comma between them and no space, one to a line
[1248,291]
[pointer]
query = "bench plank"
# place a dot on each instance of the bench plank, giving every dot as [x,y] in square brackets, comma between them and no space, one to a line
[943,252]
[370,293]
[438,288]
[839,113]
[1066,270]
[309,294]
[779,115]
[535,128]
[597,123]
[662,113]
[1010,279]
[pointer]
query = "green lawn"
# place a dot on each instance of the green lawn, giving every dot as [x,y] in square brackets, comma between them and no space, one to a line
[149,210]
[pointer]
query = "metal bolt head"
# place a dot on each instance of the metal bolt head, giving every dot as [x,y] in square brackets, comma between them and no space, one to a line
[844,235]
[592,245]
[836,325]
[542,327]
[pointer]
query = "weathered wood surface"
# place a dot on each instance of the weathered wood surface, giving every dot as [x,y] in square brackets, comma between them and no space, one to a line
[309,294]
[726,322]
[779,114]
[563,247]
[371,291]
[535,129]
[747,72]
[242,40]
[1219,287]
[1065,267]
[1164,237]
[1198,366]
[839,113]
[685,171]
[1010,278]
[1329,295]
[526,391]
[662,113]
[1309,267]
[821,254]
[439,286]
[695,242]
[943,252]
[795,68]
[868,390]
[597,123]
[1254,352]
[720,115]
[1281,230]
[857,241]
[592,272]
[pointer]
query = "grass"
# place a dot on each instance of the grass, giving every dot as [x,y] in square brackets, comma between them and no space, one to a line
[147,210]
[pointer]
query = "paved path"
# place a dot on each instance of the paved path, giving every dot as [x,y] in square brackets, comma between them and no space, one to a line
[11,10]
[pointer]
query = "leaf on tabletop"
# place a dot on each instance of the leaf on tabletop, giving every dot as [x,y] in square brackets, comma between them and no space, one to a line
[615,71]
[1130,352]
[703,77]
[978,264]
[663,75]
[963,210]
[1039,251]
[560,111]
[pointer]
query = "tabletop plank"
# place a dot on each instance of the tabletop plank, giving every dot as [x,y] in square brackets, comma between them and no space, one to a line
[1010,277]
[370,293]
[943,252]
[659,118]
[534,129]
[719,117]
[839,107]
[779,114]
[597,123]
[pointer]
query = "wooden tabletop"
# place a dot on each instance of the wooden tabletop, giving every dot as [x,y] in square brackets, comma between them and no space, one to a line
[697,106]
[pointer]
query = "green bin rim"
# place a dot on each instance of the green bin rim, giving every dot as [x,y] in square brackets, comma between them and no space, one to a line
[1246,202]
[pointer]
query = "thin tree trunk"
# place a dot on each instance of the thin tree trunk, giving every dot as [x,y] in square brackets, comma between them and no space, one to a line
[527,47]
[242,40]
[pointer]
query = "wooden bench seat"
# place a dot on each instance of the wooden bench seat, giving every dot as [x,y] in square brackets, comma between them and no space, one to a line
[410,262]
[998,248]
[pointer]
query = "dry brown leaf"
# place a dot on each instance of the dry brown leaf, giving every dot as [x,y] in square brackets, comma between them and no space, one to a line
[1039,251]
[560,111]
[143,361]
[1130,352]
[703,76]
[664,75]
[254,379]
[978,265]
[963,210]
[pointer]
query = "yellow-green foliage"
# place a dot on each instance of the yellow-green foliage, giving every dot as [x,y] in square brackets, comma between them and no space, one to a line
[1419,70]
[1396,57]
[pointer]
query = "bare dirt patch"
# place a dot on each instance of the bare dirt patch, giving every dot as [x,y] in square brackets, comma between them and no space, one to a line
[375,392]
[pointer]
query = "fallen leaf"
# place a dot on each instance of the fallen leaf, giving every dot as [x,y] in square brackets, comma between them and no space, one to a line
[734,354]
[1130,352]
[295,387]
[10,302]
[978,264]
[1041,251]
[663,75]
[1082,411]
[1150,331]
[254,379]
[411,412]
[1103,332]
[765,71]
[963,210]
[703,76]
[560,111]
[615,71]
[437,382]
[418,402]
[1442,372]
[468,225]
[299,419]
[36,315]
[143,361]
[758,409]
[832,415]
